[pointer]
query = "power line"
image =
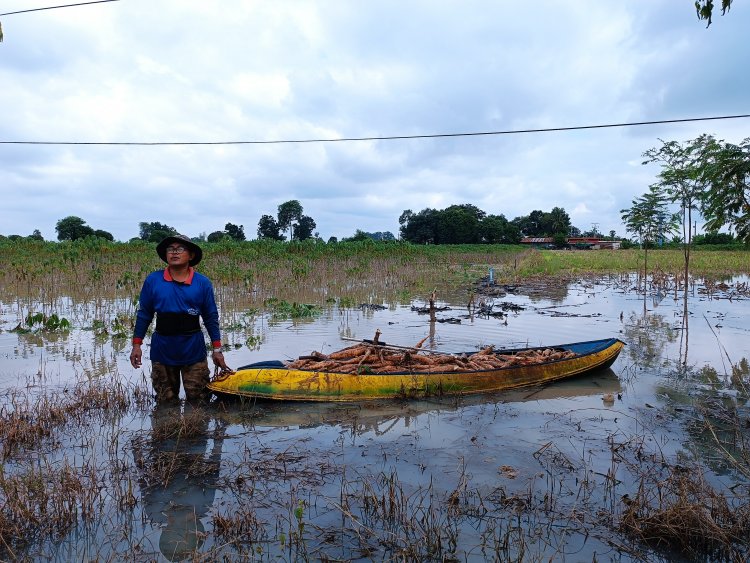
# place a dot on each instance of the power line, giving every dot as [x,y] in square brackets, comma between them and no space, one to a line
[383,138]
[55,7]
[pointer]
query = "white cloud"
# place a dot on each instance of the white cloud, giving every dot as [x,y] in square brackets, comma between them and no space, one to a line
[271,71]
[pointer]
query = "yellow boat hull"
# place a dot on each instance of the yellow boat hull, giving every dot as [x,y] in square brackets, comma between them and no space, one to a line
[279,383]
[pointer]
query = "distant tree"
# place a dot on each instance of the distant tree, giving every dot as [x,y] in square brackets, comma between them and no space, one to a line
[492,229]
[496,229]
[531,225]
[612,235]
[650,220]
[332,240]
[268,228]
[98,233]
[705,9]
[72,228]
[359,235]
[36,235]
[288,212]
[419,228]
[459,224]
[558,221]
[382,235]
[379,236]
[235,232]
[216,236]
[304,228]
[714,238]
[155,231]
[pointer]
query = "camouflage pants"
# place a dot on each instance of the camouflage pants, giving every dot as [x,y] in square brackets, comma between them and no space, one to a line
[166,382]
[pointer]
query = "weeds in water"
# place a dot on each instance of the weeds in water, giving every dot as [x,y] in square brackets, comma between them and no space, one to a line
[684,514]
[281,309]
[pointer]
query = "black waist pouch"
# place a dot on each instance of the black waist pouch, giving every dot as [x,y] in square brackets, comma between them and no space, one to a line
[170,324]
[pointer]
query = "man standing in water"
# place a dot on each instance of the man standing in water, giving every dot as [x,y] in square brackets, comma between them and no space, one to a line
[178,296]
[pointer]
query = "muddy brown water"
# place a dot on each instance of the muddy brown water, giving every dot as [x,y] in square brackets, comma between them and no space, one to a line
[524,475]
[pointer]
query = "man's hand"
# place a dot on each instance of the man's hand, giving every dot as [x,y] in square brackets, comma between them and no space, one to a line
[136,356]
[218,357]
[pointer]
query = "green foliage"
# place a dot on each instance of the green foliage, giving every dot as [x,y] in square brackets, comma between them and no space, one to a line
[235,232]
[98,233]
[714,238]
[72,228]
[216,236]
[304,228]
[649,218]
[281,309]
[705,9]
[288,212]
[459,224]
[268,228]
[727,170]
[560,240]
[51,323]
[360,235]
[541,224]
[155,231]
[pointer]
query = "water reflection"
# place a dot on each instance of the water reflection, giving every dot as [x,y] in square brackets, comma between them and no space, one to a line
[382,417]
[179,464]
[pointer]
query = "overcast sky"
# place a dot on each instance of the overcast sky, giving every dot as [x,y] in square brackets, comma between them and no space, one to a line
[236,70]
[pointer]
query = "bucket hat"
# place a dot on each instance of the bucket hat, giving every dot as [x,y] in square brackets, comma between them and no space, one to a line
[161,248]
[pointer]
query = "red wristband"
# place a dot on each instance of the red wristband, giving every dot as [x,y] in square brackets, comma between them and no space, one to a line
[137,340]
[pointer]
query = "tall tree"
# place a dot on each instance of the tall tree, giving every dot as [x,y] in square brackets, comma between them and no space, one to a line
[683,179]
[727,202]
[458,224]
[304,228]
[558,221]
[289,212]
[72,228]
[649,219]
[419,228]
[268,228]
[496,229]
[237,233]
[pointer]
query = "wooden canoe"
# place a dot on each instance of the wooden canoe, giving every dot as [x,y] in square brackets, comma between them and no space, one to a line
[271,380]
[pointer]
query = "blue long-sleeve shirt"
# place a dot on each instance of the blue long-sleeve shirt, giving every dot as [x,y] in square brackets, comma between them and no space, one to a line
[195,296]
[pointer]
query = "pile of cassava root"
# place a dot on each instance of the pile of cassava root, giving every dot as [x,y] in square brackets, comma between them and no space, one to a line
[375,358]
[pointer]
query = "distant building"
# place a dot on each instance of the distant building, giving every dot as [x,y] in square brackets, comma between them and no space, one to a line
[593,243]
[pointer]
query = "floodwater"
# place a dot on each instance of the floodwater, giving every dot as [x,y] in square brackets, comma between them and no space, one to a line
[533,474]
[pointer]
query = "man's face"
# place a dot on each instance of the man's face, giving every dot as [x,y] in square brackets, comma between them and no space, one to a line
[178,255]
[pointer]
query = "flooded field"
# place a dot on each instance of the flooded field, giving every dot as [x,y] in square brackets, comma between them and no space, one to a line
[646,461]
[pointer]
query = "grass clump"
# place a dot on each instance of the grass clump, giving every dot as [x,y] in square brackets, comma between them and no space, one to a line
[684,514]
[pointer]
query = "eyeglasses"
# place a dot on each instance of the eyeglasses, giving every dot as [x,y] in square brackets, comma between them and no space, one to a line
[176,249]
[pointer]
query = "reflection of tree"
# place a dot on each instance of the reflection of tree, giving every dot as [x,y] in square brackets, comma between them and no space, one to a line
[646,335]
[178,475]
[717,426]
